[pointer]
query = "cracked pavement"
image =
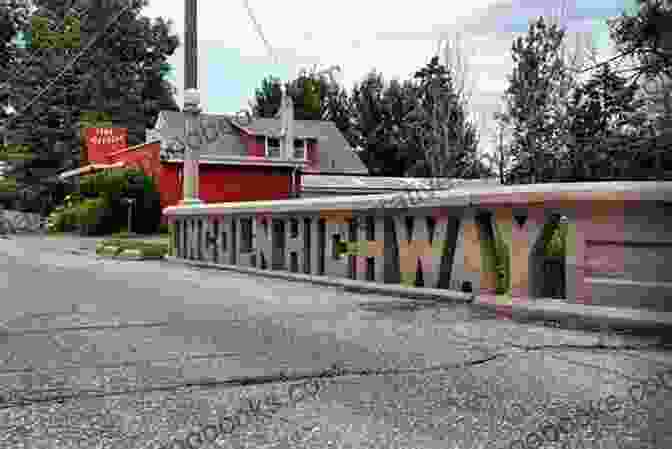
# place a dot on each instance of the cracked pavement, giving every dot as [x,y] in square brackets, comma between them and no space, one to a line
[155,351]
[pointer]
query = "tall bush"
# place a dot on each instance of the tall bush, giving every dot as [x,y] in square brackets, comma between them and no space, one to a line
[99,207]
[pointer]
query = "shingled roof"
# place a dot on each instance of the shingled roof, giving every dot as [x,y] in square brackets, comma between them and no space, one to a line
[335,155]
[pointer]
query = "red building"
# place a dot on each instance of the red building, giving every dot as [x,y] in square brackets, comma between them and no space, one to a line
[240,159]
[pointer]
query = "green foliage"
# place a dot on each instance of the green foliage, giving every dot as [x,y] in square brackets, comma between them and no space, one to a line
[313,96]
[90,215]
[43,37]
[111,184]
[14,22]
[496,259]
[164,228]
[556,244]
[99,208]
[120,76]
[603,114]
[268,98]
[147,249]
[647,36]
[379,112]
[8,185]
[502,266]
[533,99]
[448,140]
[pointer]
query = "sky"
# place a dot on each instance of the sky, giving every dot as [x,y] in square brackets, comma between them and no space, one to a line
[395,39]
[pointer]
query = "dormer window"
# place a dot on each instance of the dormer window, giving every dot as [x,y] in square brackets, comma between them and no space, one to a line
[300,148]
[273,147]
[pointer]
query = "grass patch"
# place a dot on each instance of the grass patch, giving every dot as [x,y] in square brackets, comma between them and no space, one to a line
[147,249]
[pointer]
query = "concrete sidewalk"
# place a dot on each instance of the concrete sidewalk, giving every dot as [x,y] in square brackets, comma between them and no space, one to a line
[560,313]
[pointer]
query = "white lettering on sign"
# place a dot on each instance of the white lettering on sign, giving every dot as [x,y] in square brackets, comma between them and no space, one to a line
[107,132]
[106,140]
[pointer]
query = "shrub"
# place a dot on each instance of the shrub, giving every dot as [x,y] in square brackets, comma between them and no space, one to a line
[502,266]
[554,238]
[107,183]
[117,185]
[62,220]
[557,245]
[91,215]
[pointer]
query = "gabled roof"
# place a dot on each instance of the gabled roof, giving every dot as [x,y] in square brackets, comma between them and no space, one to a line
[335,155]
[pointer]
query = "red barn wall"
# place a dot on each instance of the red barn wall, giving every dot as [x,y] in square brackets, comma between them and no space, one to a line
[226,183]
[170,184]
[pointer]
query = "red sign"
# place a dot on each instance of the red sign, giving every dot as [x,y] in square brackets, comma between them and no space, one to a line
[146,159]
[100,142]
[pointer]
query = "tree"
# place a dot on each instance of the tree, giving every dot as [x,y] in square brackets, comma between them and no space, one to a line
[380,113]
[604,115]
[448,139]
[311,93]
[532,98]
[13,22]
[267,98]
[120,75]
[646,37]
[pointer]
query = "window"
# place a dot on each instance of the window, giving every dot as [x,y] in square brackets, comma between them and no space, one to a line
[245,235]
[272,147]
[300,148]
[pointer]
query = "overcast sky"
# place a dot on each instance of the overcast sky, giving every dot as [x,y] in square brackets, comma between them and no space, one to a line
[394,39]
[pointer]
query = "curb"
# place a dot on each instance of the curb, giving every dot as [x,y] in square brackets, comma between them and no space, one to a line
[350,285]
[580,316]
[569,316]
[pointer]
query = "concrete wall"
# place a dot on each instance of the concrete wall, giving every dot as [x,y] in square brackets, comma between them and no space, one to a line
[620,237]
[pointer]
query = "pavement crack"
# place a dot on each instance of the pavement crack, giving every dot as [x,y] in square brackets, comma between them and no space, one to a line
[6,332]
[282,377]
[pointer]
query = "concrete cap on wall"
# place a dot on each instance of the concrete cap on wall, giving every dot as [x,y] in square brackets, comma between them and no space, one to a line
[463,195]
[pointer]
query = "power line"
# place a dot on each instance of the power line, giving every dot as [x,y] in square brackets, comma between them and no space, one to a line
[65,69]
[259,31]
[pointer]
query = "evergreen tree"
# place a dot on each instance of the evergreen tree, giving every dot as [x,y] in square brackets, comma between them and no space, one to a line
[120,76]
[604,114]
[448,139]
[532,98]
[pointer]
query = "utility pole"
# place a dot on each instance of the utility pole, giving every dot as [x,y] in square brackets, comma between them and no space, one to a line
[191,106]
[500,148]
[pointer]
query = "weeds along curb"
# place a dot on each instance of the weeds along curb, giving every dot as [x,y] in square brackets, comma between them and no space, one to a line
[428,294]
[131,251]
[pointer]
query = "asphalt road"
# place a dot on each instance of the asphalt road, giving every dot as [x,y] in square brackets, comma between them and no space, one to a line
[108,354]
